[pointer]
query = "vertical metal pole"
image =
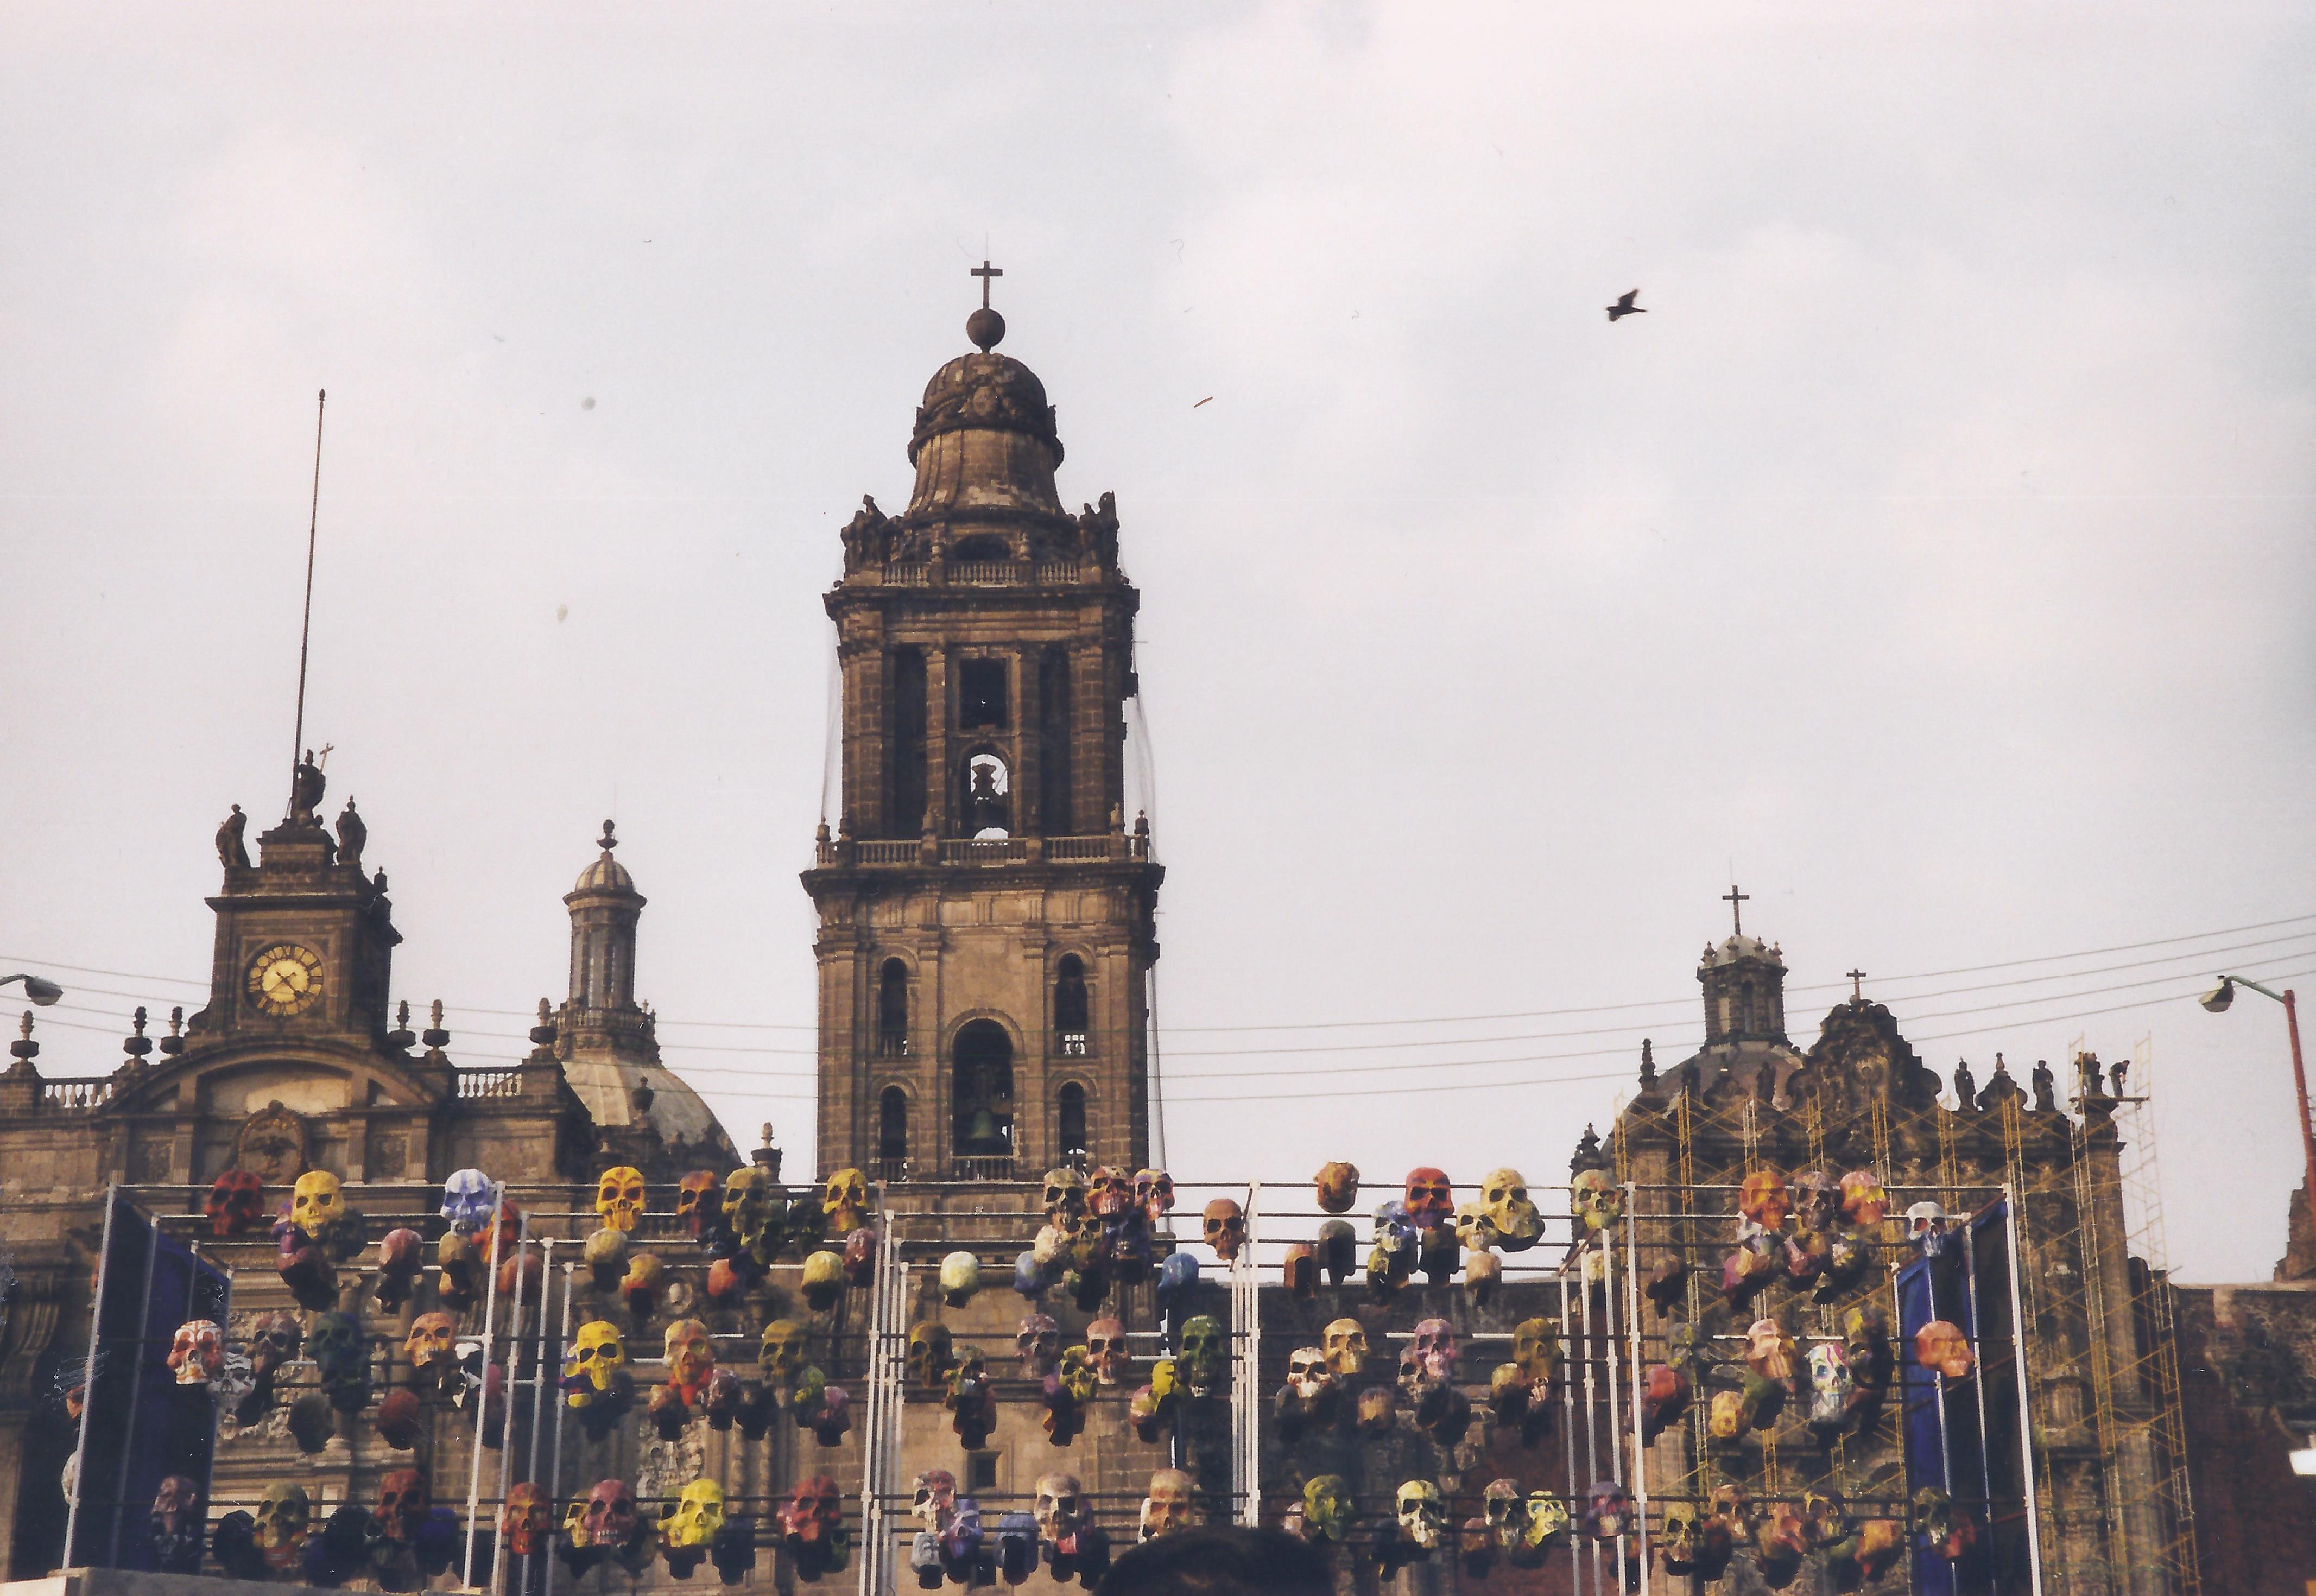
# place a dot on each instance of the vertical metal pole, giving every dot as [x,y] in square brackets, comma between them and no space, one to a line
[482,1391]
[539,1383]
[1568,1421]
[2026,1422]
[1246,1399]
[1591,1404]
[515,1356]
[1978,1381]
[1608,1327]
[1633,1328]
[88,1365]
[1938,1384]
[554,1464]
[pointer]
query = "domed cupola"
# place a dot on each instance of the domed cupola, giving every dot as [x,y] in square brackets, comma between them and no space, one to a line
[984,442]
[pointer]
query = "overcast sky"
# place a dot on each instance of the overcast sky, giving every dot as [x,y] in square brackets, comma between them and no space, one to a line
[1933,555]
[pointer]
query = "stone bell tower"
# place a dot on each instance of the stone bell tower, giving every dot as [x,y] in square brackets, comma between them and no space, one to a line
[986,918]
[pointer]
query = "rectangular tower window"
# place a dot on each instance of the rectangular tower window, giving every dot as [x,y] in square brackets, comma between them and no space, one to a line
[906,741]
[981,693]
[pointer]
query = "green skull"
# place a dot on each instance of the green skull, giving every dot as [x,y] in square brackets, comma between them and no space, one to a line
[1200,1361]
[782,1354]
[1327,1507]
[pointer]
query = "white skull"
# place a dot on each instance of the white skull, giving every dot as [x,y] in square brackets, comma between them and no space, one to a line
[1422,1514]
[1060,1508]
[1040,1341]
[1435,1348]
[1308,1374]
[936,1499]
[1926,1228]
[466,1201]
[1830,1382]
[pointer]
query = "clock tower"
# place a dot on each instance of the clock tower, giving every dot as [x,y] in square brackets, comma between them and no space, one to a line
[986,915]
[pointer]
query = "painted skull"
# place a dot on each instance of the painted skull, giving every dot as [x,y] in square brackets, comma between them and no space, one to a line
[273,1340]
[401,1254]
[698,1515]
[747,1203]
[619,1198]
[1153,1193]
[691,1356]
[1863,1199]
[1817,1200]
[1429,1200]
[524,1520]
[1942,1346]
[931,1354]
[1109,1192]
[845,1201]
[1608,1513]
[1040,1341]
[1483,1274]
[1337,1186]
[641,1286]
[1106,1345]
[177,1499]
[1926,1228]
[1504,1511]
[235,1203]
[936,1499]
[596,1358]
[822,1279]
[1422,1514]
[1327,1510]
[1225,1227]
[1060,1508]
[466,1201]
[695,1210]
[780,1352]
[612,1520]
[198,1352]
[1763,1199]
[335,1345]
[1200,1360]
[1725,1416]
[1166,1505]
[1503,1196]
[1536,1347]
[960,1279]
[403,1500]
[1547,1519]
[1345,1344]
[1830,1384]
[1596,1199]
[1308,1374]
[284,1514]
[1065,1194]
[432,1345]
[1769,1351]
[814,1513]
[1379,1408]
[1434,1346]
[317,1203]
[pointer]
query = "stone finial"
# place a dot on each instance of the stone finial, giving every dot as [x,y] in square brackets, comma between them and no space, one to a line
[435,1036]
[766,1156]
[1648,1065]
[820,832]
[137,1044]
[401,1035]
[1142,823]
[174,1042]
[24,1047]
[1588,1152]
[543,1033]
[610,839]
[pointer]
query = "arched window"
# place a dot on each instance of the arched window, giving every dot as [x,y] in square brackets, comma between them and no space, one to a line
[1070,1138]
[984,1061]
[1053,775]
[893,1010]
[892,1132]
[1070,1028]
[1745,1006]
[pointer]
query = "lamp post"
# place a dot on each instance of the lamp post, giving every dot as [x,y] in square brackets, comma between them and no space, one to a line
[43,993]
[2217,1000]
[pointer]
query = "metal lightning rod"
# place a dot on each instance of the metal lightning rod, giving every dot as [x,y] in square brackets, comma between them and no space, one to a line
[306,627]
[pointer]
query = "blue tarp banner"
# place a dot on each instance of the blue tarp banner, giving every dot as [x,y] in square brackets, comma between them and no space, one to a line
[139,1426]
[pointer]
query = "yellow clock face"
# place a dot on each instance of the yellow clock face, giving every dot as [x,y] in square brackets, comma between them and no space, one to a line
[286,980]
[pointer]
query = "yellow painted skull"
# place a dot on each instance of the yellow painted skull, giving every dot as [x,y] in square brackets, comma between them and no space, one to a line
[691,1355]
[781,1354]
[596,1357]
[845,1201]
[698,1515]
[315,1202]
[619,1198]
[747,1201]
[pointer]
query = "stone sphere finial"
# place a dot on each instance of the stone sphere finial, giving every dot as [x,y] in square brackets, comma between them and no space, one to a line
[986,329]
[608,840]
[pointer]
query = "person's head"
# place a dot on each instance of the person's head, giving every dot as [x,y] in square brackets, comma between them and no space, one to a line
[1221,1560]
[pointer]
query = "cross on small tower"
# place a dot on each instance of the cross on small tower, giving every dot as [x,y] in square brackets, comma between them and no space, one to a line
[986,272]
[1736,900]
[1857,985]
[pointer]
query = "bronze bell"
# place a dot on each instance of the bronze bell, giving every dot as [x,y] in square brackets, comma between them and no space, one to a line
[982,1134]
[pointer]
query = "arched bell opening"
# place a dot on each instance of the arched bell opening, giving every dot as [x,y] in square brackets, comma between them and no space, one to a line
[893,1010]
[892,1133]
[1072,1032]
[986,796]
[983,1060]
[1070,1123]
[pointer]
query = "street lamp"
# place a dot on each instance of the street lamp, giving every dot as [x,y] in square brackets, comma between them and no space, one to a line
[2217,1001]
[43,993]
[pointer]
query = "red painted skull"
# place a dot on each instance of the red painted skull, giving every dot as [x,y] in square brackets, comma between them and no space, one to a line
[1430,1198]
[814,1513]
[235,1203]
[523,1520]
[611,1519]
[698,1203]
[1110,1192]
[403,1499]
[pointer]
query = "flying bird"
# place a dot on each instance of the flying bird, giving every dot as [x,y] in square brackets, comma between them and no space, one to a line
[1624,305]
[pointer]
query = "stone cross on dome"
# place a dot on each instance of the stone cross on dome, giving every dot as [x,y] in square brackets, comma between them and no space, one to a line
[1736,901]
[1857,985]
[984,327]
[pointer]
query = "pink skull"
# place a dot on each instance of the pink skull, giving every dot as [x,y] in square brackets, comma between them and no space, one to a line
[1430,1198]
[1153,1193]
[1106,1341]
[1435,1348]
